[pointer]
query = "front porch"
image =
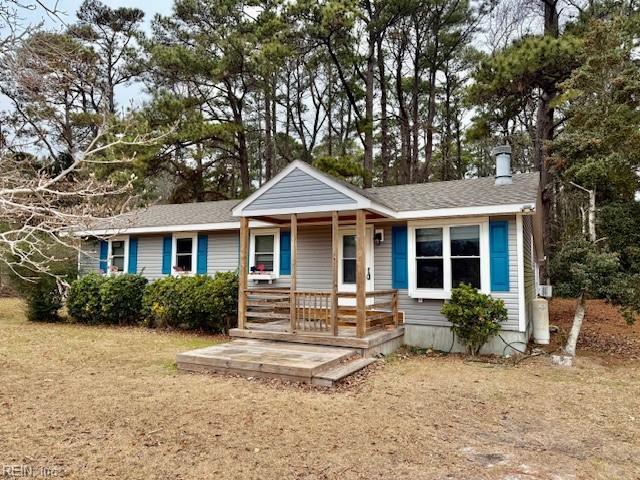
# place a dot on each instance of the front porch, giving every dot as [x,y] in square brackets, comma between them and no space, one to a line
[268,311]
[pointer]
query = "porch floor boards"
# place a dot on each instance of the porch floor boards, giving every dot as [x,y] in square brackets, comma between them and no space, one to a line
[378,341]
[262,358]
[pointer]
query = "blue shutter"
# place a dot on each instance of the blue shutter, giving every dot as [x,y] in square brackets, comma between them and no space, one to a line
[399,258]
[285,253]
[203,249]
[499,254]
[133,256]
[167,243]
[104,253]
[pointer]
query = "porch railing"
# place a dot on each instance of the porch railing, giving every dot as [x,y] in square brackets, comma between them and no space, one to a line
[312,309]
[268,304]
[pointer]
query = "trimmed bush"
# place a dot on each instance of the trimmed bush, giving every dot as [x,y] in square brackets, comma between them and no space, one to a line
[194,303]
[121,299]
[113,299]
[83,301]
[475,317]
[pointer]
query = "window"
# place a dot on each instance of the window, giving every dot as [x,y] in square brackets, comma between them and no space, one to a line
[263,255]
[349,259]
[184,254]
[465,256]
[264,252]
[429,258]
[118,255]
[442,256]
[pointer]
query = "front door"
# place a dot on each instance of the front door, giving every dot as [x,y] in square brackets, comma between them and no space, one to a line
[347,260]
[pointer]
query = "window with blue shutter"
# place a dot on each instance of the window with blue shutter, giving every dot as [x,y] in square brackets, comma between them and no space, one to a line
[399,258]
[499,255]
[166,255]
[104,253]
[203,249]
[133,255]
[285,253]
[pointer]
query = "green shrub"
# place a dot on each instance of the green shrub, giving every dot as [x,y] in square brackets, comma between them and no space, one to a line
[475,317]
[83,301]
[580,266]
[44,299]
[121,299]
[113,299]
[196,303]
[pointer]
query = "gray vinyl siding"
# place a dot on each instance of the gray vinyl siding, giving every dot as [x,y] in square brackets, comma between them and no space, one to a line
[428,312]
[89,257]
[314,258]
[150,257]
[223,253]
[529,265]
[301,190]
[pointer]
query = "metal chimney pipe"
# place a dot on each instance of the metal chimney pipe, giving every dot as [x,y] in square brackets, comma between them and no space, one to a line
[503,164]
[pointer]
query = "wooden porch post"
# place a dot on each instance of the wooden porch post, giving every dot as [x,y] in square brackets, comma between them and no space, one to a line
[334,273]
[361,299]
[294,272]
[244,271]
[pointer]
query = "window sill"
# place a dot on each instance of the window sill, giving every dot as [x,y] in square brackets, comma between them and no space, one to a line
[436,294]
[430,294]
[268,276]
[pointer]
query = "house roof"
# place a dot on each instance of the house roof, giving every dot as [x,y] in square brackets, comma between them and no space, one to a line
[199,213]
[468,197]
[474,192]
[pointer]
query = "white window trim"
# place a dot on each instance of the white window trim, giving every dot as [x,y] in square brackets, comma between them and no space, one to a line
[445,293]
[276,253]
[121,238]
[174,253]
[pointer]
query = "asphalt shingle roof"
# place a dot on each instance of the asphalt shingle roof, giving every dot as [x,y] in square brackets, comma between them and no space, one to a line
[474,192]
[175,214]
[422,196]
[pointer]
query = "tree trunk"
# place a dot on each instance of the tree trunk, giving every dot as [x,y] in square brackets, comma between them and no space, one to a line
[431,114]
[384,122]
[268,139]
[403,170]
[544,128]
[572,341]
[368,128]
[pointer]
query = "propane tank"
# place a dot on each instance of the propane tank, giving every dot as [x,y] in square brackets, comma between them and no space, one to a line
[541,321]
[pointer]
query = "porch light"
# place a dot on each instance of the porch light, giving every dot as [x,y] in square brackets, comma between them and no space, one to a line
[378,236]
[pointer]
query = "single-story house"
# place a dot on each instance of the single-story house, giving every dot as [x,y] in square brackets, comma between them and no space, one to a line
[324,258]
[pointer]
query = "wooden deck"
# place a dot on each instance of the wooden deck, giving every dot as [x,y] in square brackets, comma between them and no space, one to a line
[321,365]
[380,341]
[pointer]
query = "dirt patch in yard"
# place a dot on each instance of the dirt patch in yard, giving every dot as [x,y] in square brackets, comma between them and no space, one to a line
[108,403]
[604,331]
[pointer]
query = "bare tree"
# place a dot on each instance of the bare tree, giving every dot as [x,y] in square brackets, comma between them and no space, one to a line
[43,199]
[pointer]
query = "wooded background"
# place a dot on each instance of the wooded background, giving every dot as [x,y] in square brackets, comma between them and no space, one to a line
[378,92]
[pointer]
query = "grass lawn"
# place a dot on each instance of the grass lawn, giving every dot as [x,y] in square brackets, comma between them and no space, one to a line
[108,403]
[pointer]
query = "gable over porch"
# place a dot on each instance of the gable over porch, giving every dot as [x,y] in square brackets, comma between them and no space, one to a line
[351,309]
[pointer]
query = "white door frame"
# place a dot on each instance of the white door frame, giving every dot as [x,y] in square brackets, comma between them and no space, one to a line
[369,259]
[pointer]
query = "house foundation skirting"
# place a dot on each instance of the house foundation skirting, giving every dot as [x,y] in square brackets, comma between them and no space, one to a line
[441,338]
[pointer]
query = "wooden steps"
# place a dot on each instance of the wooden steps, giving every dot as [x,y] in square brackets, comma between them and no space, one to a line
[333,375]
[295,362]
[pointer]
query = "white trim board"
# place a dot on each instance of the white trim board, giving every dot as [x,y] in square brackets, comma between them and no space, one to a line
[202,227]
[522,309]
